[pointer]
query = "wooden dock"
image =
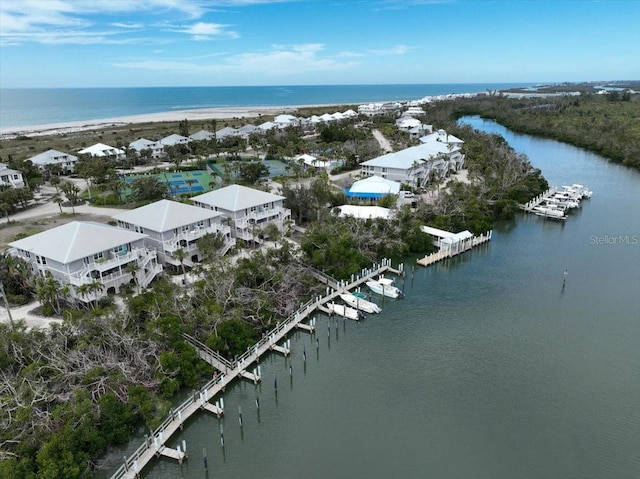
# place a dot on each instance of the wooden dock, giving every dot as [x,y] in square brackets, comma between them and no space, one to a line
[154,444]
[455,249]
[529,207]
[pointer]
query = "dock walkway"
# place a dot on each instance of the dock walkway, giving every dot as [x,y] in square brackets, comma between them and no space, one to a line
[154,444]
[455,249]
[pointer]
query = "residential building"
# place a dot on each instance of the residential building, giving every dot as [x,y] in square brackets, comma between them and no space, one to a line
[10,177]
[225,132]
[174,140]
[65,161]
[173,226]
[417,165]
[100,150]
[202,135]
[82,253]
[157,150]
[249,209]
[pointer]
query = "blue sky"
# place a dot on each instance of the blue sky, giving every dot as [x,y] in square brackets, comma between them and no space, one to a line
[112,43]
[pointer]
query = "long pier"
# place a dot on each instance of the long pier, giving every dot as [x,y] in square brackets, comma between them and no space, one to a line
[455,249]
[154,444]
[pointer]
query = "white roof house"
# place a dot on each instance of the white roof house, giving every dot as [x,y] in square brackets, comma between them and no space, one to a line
[202,135]
[284,120]
[407,123]
[441,136]
[374,187]
[171,225]
[156,148]
[173,140]
[66,161]
[414,165]
[247,207]
[226,131]
[101,150]
[267,125]
[10,177]
[80,253]
[236,198]
[246,130]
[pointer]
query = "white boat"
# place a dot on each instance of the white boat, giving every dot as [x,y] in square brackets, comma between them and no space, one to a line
[384,289]
[580,190]
[551,213]
[344,311]
[360,303]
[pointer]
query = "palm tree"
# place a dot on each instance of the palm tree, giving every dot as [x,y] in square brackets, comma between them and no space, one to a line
[95,287]
[190,182]
[133,269]
[58,199]
[48,292]
[180,255]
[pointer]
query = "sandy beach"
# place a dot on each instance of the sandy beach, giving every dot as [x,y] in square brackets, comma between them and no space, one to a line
[191,115]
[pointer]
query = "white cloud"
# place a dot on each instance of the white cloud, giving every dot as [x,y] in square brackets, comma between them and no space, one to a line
[280,60]
[204,31]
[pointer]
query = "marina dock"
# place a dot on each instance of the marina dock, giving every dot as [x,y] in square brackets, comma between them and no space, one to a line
[454,249]
[154,445]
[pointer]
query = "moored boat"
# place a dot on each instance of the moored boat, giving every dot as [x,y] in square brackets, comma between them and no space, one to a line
[360,303]
[384,288]
[344,311]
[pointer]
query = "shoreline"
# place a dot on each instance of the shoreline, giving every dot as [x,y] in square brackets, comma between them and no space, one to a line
[197,114]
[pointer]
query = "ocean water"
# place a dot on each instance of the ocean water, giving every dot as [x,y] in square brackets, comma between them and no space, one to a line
[30,107]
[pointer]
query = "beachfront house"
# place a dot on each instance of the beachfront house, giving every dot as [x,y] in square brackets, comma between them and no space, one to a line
[157,150]
[174,140]
[10,177]
[202,135]
[92,258]
[176,227]
[65,161]
[248,209]
[225,132]
[100,150]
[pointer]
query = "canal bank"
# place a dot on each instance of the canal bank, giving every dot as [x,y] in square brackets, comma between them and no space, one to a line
[488,368]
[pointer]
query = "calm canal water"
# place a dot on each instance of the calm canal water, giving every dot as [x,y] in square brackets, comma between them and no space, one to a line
[488,368]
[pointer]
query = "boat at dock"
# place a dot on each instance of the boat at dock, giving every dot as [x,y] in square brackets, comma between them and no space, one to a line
[345,311]
[384,286]
[549,212]
[360,303]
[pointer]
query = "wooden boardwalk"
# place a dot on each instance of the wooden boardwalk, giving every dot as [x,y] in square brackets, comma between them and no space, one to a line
[154,445]
[455,249]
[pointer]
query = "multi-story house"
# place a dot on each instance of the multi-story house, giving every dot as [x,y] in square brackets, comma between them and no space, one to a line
[9,177]
[156,148]
[172,226]
[248,209]
[65,161]
[100,150]
[86,253]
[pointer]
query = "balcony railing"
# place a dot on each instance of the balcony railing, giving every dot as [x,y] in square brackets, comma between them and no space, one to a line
[171,245]
[141,255]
